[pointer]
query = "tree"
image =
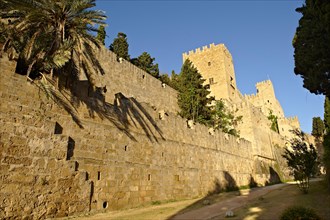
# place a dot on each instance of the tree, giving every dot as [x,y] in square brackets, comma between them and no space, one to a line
[101,34]
[302,160]
[224,120]
[165,79]
[120,46]
[326,140]
[49,36]
[273,119]
[193,97]
[312,46]
[145,62]
[318,127]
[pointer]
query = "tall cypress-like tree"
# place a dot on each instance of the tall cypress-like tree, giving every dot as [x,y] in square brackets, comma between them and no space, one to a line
[145,62]
[318,127]
[193,97]
[101,34]
[120,46]
[326,141]
[312,46]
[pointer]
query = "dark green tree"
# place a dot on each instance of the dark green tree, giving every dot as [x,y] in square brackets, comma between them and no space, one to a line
[326,140]
[145,62]
[318,127]
[224,120]
[302,160]
[101,34]
[273,119]
[312,46]
[193,97]
[165,79]
[174,80]
[120,46]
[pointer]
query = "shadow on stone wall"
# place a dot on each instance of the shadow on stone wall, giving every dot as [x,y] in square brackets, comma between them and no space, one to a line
[123,114]
[252,182]
[214,195]
[70,93]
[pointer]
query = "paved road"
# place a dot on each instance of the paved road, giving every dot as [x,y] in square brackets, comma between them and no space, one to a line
[220,209]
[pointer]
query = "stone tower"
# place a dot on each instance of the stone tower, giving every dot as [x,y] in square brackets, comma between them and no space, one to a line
[265,99]
[215,64]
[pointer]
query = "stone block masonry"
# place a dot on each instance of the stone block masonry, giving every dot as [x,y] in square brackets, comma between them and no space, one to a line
[136,150]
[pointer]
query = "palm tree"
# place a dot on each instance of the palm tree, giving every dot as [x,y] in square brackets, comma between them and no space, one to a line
[49,34]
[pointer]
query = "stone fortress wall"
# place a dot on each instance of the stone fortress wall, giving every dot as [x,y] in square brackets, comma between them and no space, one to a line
[215,62]
[133,149]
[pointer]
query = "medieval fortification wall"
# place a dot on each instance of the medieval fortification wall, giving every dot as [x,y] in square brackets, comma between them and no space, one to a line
[133,148]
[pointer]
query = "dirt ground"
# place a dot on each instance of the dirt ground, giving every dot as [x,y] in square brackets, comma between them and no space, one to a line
[258,203]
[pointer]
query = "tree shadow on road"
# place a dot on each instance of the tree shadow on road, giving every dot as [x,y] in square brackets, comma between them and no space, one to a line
[214,195]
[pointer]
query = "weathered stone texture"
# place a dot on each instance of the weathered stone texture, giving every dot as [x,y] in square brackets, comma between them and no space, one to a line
[125,156]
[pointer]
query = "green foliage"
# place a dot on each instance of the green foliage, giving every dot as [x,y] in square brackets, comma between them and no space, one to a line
[318,127]
[312,46]
[49,34]
[175,81]
[165,79]
[327,114]
[223,119]
[299,213]
[101,34]
[193,97]
[120,46]
[302,160]
[273,119]
[145,62]
[326,140]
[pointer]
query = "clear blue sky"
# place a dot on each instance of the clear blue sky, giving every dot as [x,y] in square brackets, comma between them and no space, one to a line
[257,33]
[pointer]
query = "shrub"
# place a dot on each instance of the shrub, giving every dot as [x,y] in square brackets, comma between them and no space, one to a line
[299,213]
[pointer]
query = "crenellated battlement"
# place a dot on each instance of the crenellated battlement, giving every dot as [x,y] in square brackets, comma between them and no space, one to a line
[203,49]
[251,96]
[264,83]
[292,119]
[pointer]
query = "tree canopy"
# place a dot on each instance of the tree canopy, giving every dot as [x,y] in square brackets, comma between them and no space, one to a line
[49,34]
[193,97]
[318,127]
[223,119]
[326,141]
[302,160]
[145,62]
[120,46]
[312,46]
[101,34]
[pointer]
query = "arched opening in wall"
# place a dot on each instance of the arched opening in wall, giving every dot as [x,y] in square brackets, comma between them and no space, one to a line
[143,76]
[125,148]
[58,129]
[149,177]
[87,176]
[105,204]
[98,175]
[70,150]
